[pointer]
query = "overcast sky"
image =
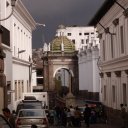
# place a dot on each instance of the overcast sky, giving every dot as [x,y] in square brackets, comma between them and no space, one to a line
[52,13]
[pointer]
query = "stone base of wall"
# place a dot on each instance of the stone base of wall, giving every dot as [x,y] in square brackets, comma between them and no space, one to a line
[114,117]
[84,94]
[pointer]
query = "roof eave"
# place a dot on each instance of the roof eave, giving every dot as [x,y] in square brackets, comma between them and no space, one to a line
[101,12]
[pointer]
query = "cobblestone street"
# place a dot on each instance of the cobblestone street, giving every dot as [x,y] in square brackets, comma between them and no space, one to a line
[91,126]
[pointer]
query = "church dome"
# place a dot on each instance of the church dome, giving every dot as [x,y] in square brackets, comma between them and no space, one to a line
[62,43]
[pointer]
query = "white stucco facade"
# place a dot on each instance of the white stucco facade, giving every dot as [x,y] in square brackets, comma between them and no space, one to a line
[19,53]
[88,70]
[22,27]
[87,43]
[114,55]
[5,12]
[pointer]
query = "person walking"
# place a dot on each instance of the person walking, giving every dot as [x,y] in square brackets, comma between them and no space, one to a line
[87,114]
[124,116]
[69,123]
[10,118]
[33,126]
[77,117]
[72,112]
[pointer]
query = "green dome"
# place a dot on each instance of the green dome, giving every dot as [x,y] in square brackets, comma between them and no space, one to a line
[56,44]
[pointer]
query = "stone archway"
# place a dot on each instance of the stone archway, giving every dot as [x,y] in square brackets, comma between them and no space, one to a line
[51,64]
[60,54]
[62,77]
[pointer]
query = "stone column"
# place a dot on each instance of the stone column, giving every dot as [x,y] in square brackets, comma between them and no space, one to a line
[70,98]
[45,71]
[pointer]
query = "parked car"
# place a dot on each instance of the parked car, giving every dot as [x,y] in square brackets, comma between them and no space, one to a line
[4,123]
[28,117]
[29,105]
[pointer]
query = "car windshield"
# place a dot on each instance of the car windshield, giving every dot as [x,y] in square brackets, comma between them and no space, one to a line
[31,112]
[32,106]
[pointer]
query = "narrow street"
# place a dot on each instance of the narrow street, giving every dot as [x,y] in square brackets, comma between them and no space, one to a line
[91,126]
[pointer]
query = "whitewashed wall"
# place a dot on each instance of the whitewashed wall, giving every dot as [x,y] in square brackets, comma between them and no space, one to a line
[75,31]
[88,71]
[119,62]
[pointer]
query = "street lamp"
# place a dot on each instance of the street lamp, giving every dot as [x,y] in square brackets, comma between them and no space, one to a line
[39,24]
[13,3]
[43,25]
[21,51]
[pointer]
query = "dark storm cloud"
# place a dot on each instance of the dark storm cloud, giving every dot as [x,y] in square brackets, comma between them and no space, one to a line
[56,12]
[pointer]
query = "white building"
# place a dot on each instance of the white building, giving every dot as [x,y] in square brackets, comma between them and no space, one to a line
[87,43]
[89,80]
[80,35]
[112,26]
[18,52]
[5,24]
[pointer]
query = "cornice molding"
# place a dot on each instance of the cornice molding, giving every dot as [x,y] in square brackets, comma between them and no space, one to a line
[20,8]
[20,61]
[114,61]
[114,12]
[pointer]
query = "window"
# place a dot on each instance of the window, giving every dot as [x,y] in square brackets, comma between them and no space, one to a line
[86,33]
[113,93]
[27,86]
[8,89]
[87,41]
[73,41]
[22,86]
[80,33]
[122,39]
[82,41]
[105,93]
[5,36]
[19,89]
[15,90]
[103,50]
[39,81]
[124,94]
[39,72]
[69,34]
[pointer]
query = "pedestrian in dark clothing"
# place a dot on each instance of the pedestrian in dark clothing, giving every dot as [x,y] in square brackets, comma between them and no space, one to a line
[77,117]
[93,116]
[58,115]
[63,117]
[10,118]
[33,126]
[87,114]
[72,112]
[124,116]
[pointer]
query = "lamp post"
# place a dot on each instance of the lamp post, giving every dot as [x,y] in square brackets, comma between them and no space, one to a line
[21,51]
[13,3]
[39,24]
[43,25]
